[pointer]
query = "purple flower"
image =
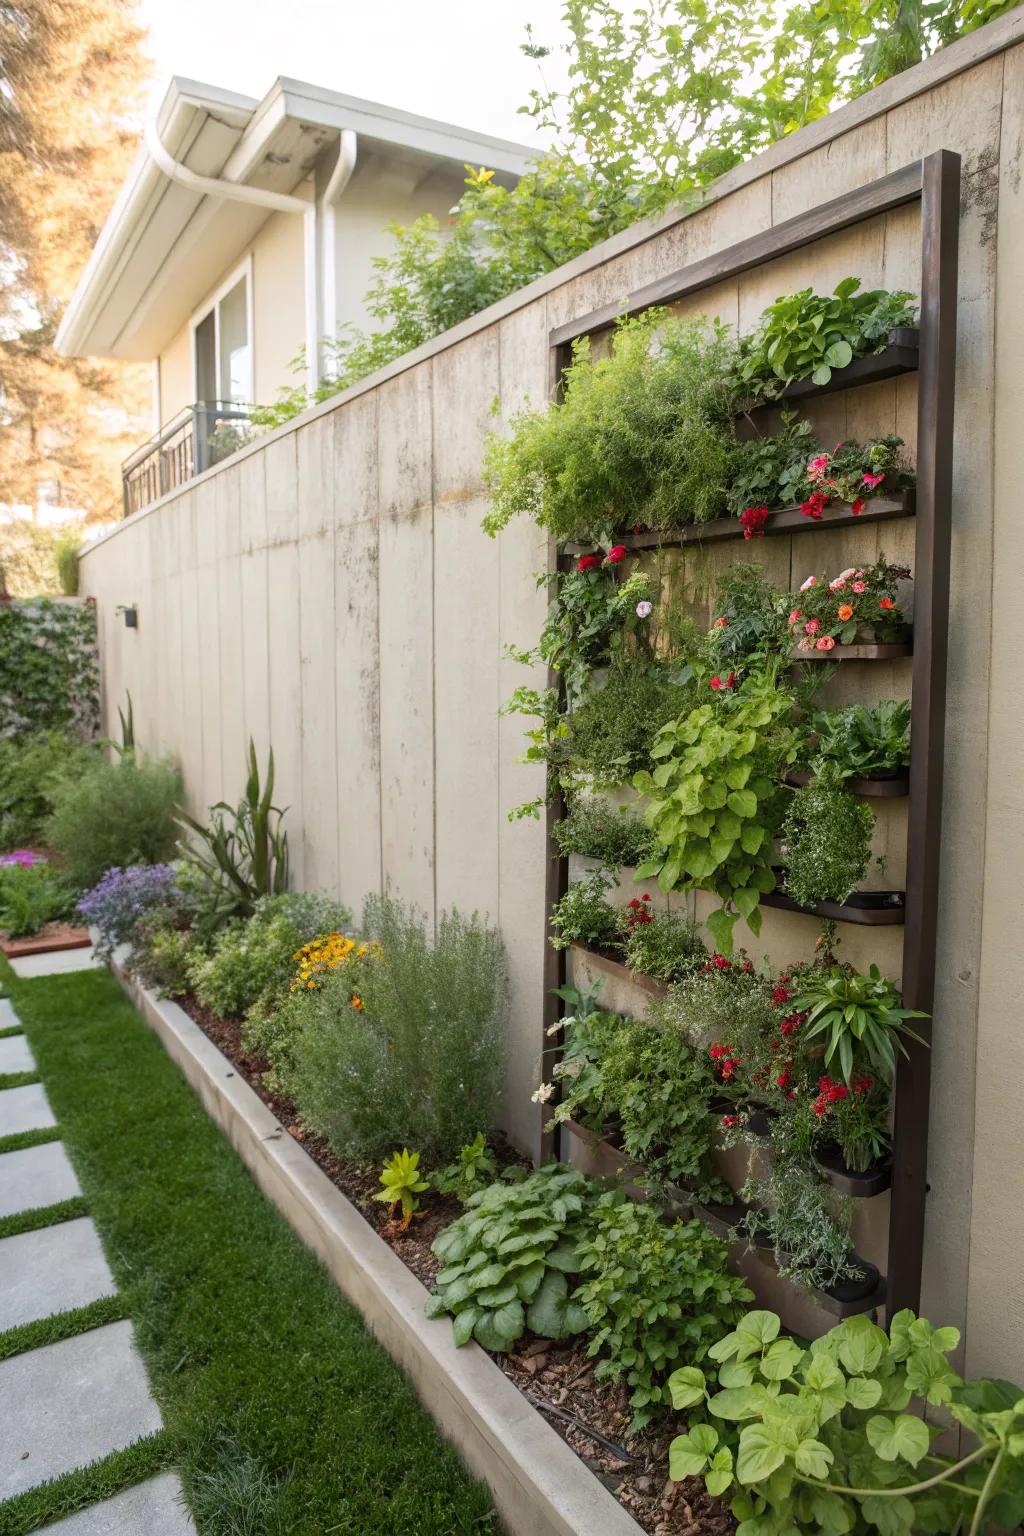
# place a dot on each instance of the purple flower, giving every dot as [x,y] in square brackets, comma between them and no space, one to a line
[644,609]
[24,857]
[123,897]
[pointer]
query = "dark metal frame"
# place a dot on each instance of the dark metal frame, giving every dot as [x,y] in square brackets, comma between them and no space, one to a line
[175,454]
[935,183]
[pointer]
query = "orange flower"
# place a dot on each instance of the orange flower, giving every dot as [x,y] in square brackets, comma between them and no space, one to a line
[845,612]
[357,1002]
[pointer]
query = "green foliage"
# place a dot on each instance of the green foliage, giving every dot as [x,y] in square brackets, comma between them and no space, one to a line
[594,829]
[644,435]
[66,554]
[858,1018]
[821,1440]
[611,729]
[748,626]
[805,335]
[29,765]
[584,916]
[827,843]
[588,1033]
[401,1179]
[714,799]
[505,1261]
[666,946]
[243,851]
[860,741]
[803,1218]
[590,615]
[421,1062]
[163,956]
[49,673]
[772,471]
[106,814]
[656,1296]
[475,1166]
[253,959]
[32,896]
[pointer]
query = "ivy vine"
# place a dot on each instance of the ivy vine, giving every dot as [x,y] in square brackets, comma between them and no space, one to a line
[49,667]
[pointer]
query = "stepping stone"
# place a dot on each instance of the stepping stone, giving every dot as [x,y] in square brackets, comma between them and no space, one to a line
[8,1017]
[24,1109]
[149,1509]
[53,1270]
[15,1055]
[34,1177]
[56,963]
[71,1403]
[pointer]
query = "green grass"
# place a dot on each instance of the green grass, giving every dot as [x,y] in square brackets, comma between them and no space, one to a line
[282,1413]
[42,1216]
[22,1139]
[17,1079]
[11,1029]
[50,1330]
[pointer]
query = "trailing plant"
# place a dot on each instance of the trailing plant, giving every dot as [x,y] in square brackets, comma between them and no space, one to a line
[506,1260]
[821,1439]
[771,471]
[595,829]
[657,1296]
[32,895]
[254,959]
[585,916]
[420,1061]
[858,1018]
[643,436]
[401,1179]
[108,814]
[806,335]
[826,842]
[243,852]
[124,898]
[29,766]
[748,627]
[662,944]
[858,604]
[714,800]
[860,741]
[854,473]
[475,1166]
[591,613]
[49,669]
[804,1219]
[612,727]
[588,1032]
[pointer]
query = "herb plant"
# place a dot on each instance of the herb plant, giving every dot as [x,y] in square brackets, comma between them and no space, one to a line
[860,741]
[596,829]
[255,956]
[802,1216]
[610,731]
[771,471]
[585,916]
[125,897]
[588,1034]
[820,1439]
[475,1166]
[401,1179]
[664,945]
[32,895]
[826,843]
[506,1260]
[29,765]
[113,813]
[656,1296]
[858,1018]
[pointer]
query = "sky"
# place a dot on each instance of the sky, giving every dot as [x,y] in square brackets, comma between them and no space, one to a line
[457,60]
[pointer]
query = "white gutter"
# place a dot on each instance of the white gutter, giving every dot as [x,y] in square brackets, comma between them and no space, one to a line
[340,178]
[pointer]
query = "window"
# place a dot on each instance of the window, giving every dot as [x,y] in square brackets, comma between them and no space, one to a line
[222,346]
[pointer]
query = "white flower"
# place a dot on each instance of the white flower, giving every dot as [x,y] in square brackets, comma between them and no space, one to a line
[644,610]
[555,1028]
[812,581]
[542,1094]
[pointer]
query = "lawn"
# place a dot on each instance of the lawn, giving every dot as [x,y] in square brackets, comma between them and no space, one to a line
[283,1415]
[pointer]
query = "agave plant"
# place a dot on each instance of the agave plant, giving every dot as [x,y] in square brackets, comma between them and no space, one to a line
[243,851]
[856,1014]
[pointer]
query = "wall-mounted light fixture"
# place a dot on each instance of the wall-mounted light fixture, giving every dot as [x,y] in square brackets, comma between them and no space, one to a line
[131,615]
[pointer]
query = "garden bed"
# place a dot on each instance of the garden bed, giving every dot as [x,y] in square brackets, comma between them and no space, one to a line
[50,938]
[477,1399]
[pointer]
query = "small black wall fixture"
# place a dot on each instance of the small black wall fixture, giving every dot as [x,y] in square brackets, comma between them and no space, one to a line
[131,615]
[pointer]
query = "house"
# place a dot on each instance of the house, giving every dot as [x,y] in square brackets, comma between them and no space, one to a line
[244,234]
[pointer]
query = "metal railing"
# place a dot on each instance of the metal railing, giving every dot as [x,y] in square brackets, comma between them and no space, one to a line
[199,436]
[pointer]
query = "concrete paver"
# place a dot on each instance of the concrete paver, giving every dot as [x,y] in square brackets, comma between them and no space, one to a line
[53,1270]
[25,1109]
[149,1509]
[34,1177]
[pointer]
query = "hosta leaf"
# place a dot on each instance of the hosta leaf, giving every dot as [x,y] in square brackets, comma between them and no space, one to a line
[435,1305]
[490,1274]
[497,1295]
[464,1323]
[499,1329]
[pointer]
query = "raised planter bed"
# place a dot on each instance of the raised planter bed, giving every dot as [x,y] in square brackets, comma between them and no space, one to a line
[46,942]
[857,652]
[829,1163]
[539,1486]
[899,356]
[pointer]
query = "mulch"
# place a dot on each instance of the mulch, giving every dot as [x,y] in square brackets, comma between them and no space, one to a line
[557,1379]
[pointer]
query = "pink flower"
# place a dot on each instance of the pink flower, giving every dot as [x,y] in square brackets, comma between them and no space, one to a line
[754,520]
[859,587]
[812,581]
[806,644]
[812,626]
[845,575]
[795,615]
[858,506]
[837,585]
[826,643]
[871,481]
[817,466]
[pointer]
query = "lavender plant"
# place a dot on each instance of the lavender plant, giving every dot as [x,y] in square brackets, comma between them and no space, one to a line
[124,897]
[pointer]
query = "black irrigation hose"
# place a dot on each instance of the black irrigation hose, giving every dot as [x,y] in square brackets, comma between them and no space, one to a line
[570,1418]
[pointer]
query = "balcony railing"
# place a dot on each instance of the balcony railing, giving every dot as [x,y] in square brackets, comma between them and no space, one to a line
[199,436]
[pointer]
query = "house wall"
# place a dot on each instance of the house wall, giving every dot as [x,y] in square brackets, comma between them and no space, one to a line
[329,591]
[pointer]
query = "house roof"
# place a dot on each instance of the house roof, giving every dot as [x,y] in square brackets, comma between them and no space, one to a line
[164,246]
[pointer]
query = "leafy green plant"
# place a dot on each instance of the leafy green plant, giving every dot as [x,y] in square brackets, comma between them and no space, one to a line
[597,830]
[826,842]
[803,1218]
[857,1017]
[609,733]
[164,954]
[106,814]
[656,1296]
[29,765]
[401,1179]
[475,1166]
[748,626]
[66,556]
[253,959]
[49,670]
[860,741]
[243,851]
[643,435]
[825,1442]
[592,611]
[713,799]
[587,1033]
[420,1062]
[662,944]
[31,896]
[585,916]
[771,471]
[805,335]
[506,1260]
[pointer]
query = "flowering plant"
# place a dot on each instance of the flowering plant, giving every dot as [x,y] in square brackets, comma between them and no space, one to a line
[853,473]
[124,897]
[858,604]
[590,614]
[24,858]
[661,944]
[315,959]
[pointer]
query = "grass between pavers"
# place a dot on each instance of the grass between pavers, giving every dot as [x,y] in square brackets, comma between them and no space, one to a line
[285,1415]
[43,1216]
[63,1325]
[17,1079]
[22,1139]
[101,1480]
[11,1029]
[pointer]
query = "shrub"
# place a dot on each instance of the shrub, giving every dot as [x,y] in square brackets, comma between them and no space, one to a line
[596,830]
[163,955]
[255,957]
[420,1064]
[32,895]
[665,945]
[123,898]
[657,1296]
[29,766]
[584,916]
[827,843]
[108,814]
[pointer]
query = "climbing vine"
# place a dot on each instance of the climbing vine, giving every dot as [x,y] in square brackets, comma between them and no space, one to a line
[49,669]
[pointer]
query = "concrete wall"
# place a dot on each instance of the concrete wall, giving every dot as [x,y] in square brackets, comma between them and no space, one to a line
[330,591]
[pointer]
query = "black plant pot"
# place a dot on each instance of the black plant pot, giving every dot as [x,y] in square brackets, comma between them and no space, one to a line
[855,1290]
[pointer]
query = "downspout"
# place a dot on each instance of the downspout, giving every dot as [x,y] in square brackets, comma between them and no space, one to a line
[339,180]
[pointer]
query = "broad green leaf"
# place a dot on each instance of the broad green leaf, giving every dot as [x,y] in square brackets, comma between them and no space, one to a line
[860,1344]
[760,1453]
[905,1437]
[738,1403]
[758,1328]
[892,1517]
[781,1360]
[719,1475]
[813,1459]
[464,1323]
[735,1373]
[863,1392]
[839,354]
[686,1457]
[498,1330]
[743,802]
[686,1386]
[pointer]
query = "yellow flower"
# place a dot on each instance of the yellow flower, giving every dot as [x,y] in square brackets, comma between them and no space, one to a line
[478,178]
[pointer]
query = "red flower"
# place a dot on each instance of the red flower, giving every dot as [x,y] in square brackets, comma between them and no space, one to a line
[887,603]
[730,681]
[819,1108]
[716,683]
[753,520]
[588,562]
[795,616]
[720,962]
[780,996]
[722,623]
[616,555]
[872,481]
[728,1121]
[858,506]
[815,504]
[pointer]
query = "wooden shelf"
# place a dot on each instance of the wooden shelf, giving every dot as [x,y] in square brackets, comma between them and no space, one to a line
[870,789]
[899,357]
[872,909]
[855,653]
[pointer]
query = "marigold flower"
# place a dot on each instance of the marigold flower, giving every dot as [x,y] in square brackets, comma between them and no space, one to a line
[845,612]
[826,643]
